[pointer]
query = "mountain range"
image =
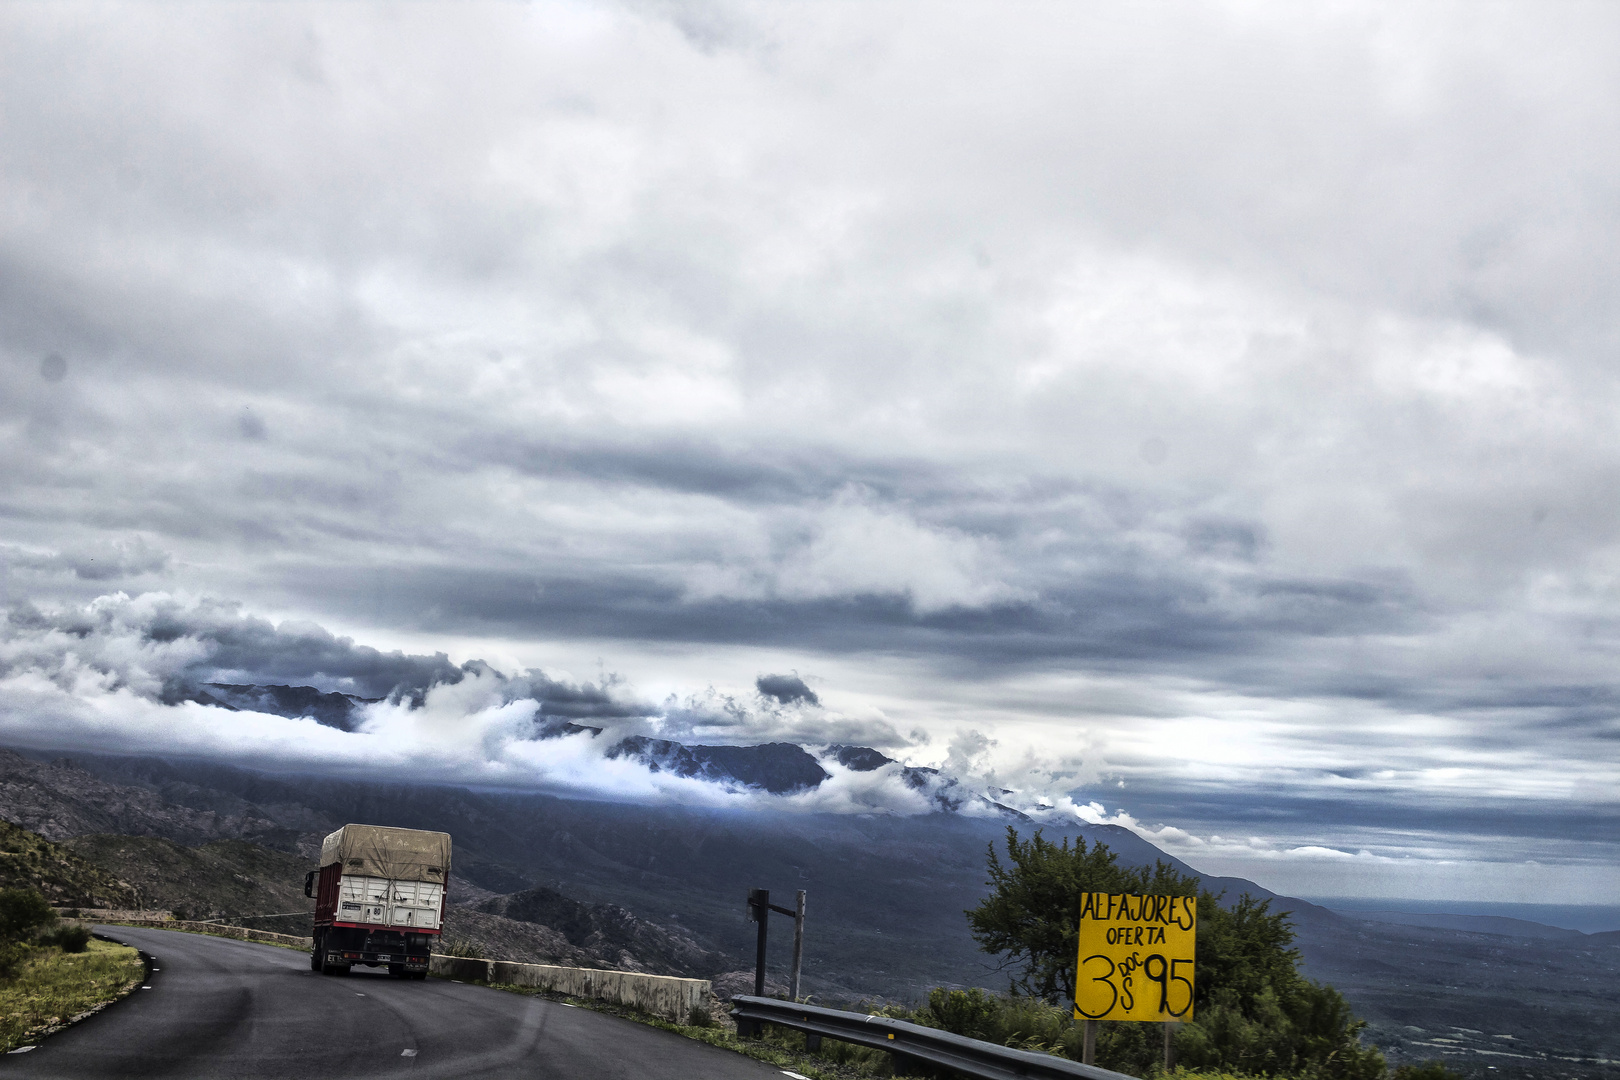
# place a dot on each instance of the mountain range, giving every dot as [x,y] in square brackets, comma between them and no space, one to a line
[662,888]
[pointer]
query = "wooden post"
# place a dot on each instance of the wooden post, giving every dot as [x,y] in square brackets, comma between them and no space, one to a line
[798,948]
[763,914]
[759,900]
[1169,1047]
[1088,1048]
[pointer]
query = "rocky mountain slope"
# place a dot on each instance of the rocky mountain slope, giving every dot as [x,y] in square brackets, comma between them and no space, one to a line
[222,878]
[610,931]
[28,860]
[59,800]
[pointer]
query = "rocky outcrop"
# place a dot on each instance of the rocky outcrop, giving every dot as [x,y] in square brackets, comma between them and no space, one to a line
[613,936]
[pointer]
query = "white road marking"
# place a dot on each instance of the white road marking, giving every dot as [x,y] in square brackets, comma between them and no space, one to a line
[20,1050]
[146,988]
[565,1005]
[407,1053]
[359,995]
[795,1075]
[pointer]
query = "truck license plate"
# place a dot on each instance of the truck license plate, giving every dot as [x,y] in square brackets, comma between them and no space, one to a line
[384,956]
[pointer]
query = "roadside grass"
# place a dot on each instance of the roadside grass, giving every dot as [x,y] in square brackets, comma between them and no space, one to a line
[787,1049]
[52,989]
[781,1047]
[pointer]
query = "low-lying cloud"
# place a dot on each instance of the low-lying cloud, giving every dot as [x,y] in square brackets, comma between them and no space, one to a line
[149,674]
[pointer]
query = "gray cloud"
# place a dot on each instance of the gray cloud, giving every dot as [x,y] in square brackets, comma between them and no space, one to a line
[786,689]
[1048,375]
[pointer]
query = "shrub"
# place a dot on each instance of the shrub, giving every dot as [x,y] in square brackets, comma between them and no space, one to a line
[12,956]
[1255,1012]
[700,1017]
[22,911]
[73,939]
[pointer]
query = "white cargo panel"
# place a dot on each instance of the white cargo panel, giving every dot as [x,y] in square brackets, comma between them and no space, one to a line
[389,903]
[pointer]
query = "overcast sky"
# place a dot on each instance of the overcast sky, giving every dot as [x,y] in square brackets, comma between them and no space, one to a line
[1208,414]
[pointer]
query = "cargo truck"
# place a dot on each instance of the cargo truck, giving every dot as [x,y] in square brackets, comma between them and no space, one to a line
[379,899]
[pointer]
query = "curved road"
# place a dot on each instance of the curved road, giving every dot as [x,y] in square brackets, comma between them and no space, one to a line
[219,1008]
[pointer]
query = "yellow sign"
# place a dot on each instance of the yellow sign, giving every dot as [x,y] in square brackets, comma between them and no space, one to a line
[1136,957]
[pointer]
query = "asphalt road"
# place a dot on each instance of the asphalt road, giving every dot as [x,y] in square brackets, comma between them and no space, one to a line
[222,1009]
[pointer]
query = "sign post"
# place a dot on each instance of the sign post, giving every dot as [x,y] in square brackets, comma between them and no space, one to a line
[1135,962]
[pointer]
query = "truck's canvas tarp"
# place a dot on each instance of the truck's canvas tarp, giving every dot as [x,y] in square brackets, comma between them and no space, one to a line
[395,854]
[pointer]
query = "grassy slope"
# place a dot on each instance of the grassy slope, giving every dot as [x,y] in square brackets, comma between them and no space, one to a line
[222,879]
[28,860]
[52,988]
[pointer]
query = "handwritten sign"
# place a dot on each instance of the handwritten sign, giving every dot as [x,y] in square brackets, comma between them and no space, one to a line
[1136,957]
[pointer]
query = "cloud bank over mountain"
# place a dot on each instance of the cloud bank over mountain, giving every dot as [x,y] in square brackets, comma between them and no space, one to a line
[199,677]
[1211,400]
[155,674]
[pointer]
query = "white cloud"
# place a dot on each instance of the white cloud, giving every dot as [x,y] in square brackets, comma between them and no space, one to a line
[845,333]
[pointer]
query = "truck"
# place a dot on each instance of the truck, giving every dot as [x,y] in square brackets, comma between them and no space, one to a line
[379,897]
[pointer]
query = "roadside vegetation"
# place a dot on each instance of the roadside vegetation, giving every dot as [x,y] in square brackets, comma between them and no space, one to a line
[53,973]
[1254,1014]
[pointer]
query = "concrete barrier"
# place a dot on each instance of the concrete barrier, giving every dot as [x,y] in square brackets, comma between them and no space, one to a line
[660,995]
[240,933]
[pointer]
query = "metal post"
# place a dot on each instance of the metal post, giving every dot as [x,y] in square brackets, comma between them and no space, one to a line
[1088,1047]
[1169,1048]
[762,912]
[798,948]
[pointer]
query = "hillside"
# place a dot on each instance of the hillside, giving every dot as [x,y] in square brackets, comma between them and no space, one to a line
[28,860]
[613,933]
[59,800]
[222,879]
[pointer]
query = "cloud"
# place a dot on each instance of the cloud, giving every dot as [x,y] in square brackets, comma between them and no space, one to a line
[786,689]
[1171,391]
[98,561]
[139,675]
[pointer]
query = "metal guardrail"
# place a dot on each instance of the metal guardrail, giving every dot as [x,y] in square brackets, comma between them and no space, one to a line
[971,1057]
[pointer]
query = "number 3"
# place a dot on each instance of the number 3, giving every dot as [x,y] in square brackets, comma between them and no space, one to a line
[1108,979]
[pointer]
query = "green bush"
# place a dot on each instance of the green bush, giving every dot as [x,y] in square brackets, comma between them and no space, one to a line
[73,939]
[13,955]
[1253,1011]
[22,911]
